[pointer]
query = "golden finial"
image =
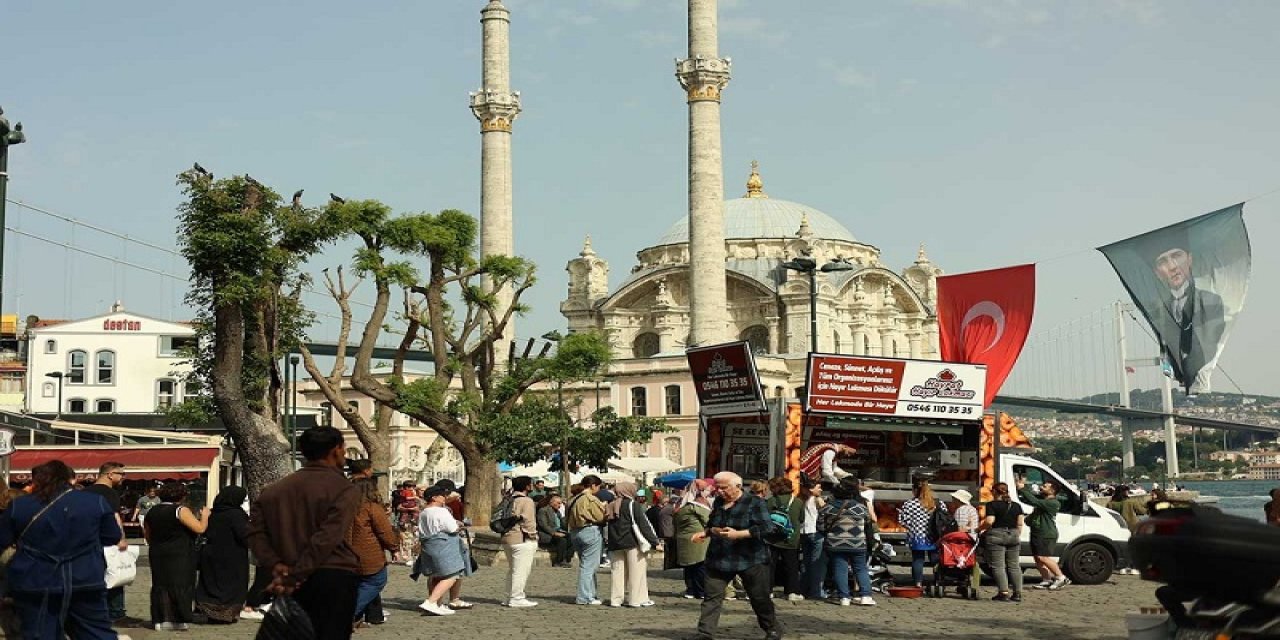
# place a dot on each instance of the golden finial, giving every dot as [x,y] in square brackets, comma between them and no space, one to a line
[755,186]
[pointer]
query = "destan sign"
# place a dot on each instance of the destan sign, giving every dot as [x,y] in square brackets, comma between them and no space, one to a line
[725,379]
[889,387]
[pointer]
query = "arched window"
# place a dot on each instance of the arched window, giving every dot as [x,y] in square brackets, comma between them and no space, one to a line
[326,414]
[104,405]
[673,450]
[106,367]
[639,401]
[866,346]
[835,341]
[76,405]
[77,362]
[671,393]
[757,337]
[50,346]
[645,345]
[415,453]
[47,390]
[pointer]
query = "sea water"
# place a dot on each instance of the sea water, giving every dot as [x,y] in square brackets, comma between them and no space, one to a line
[1237,497]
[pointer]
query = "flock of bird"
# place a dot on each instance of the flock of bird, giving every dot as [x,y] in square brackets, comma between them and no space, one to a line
[297,195]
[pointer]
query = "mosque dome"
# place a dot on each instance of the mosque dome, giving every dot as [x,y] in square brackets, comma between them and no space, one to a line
[756,215]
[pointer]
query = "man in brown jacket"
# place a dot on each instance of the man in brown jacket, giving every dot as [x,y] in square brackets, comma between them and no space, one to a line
[298,527]
[520,543]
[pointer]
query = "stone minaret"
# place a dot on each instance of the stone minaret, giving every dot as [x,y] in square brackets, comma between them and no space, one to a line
[703,75]
[496,106]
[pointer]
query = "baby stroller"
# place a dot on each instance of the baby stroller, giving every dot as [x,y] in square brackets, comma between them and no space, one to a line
[878,566]
[958,555]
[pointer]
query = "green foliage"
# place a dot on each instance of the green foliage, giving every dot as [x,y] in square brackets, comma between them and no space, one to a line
[538,429]
[191,413]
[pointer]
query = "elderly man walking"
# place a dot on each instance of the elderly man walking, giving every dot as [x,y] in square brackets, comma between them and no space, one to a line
[736,528]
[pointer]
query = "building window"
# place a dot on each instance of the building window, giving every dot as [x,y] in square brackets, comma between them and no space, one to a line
[326,418]
[757,338]
[76,405]
[50,346]
[639,401]
[166,392]
[645,345]
[106,367]
[415,423]
[47,390]
[77,362]
[11,382]
[673,450]
[672,395]
[355,406]
[176,345]
[104,406]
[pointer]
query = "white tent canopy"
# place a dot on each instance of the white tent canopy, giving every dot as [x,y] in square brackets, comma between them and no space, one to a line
[644,465]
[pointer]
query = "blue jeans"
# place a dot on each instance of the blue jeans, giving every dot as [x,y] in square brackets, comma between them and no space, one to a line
[588,542]
[86,615]
[815,564]
[918,560]
[369,588]
[841,560]
[695,580]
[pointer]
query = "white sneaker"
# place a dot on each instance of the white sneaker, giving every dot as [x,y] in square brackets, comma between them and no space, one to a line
[265,608]
[844,602]
[1044,584]
[251,615]
[591,603]
[795,597]
[435,609]
[866,601]
[1059,583]
[522,603]
[646,603]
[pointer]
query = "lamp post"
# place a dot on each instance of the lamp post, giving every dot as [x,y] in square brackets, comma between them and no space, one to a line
[293,410]
[807,265]
[59,375]
[8,136]
[555,337]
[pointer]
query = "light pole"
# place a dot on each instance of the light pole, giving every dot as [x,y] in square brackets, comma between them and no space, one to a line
[293,410]
[555,337]
[807,265]
[8,136]
[59,375]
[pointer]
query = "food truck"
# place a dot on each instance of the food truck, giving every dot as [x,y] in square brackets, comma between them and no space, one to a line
[903,420]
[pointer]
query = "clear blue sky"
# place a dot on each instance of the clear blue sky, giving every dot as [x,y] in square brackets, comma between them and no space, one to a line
[997,131]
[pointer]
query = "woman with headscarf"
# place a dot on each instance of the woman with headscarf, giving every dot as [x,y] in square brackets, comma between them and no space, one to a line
[631,536]
[170,530]
[691,518]
[223,584]
[57,577]
[370,537]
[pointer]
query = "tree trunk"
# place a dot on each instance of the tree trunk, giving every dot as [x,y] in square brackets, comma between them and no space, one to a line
[483,486]
[380,456]
[264,454]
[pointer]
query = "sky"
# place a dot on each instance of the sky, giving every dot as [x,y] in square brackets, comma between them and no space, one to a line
[996,132]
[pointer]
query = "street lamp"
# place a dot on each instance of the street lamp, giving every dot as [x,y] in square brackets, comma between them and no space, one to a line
[59,375]
[293,411]
[805,264]
[554,337]
[8,136]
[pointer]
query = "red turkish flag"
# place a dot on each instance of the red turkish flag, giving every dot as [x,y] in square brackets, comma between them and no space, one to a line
[984,318]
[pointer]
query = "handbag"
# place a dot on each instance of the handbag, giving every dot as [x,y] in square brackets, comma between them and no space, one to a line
[642,543]
[122,566]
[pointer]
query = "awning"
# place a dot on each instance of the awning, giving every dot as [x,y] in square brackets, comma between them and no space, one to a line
[159,463]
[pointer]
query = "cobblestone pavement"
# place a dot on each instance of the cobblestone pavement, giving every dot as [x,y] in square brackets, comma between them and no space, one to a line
[1076,612]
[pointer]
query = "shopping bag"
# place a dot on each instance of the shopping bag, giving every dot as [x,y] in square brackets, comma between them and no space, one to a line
[122,566]
[286,621]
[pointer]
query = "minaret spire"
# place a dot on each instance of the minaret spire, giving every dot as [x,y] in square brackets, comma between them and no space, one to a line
[496,106]
[703,75]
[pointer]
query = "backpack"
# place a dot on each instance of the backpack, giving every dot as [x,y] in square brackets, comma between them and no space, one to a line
[504,518]
[781,528]
[941,522]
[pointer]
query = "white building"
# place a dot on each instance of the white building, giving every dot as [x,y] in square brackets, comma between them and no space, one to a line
[115,363]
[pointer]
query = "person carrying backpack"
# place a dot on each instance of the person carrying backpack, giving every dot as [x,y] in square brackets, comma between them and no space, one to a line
[843,522]
[520,541]
[917,516]
[787,512]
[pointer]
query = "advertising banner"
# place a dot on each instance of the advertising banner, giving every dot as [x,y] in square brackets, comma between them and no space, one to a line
[858,385]
[725,378]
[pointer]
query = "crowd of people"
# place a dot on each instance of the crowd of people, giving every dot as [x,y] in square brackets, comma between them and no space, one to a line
[325,536]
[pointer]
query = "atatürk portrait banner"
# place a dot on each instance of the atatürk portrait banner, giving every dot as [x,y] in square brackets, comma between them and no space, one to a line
[1189,280]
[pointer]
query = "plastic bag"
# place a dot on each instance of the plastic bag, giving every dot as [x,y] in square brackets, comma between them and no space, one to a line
[122,566]
[286,621]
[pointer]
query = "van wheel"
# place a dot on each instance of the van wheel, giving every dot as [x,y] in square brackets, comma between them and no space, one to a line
[1088,563]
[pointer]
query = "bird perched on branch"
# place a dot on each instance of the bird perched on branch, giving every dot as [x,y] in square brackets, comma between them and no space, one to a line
[204,173]
[248,178]
[337,199]
[297,198]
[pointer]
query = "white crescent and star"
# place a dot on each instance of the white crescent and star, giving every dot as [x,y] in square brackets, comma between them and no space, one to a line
[989,309]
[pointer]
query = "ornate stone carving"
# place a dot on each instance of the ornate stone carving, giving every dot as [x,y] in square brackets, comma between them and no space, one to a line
[496,110]
[703,78]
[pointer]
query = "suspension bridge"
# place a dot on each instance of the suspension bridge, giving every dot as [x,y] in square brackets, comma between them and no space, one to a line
[1095,364]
